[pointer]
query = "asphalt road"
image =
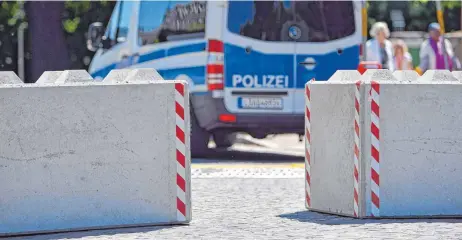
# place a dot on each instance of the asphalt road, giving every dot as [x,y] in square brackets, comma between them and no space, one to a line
[255,191]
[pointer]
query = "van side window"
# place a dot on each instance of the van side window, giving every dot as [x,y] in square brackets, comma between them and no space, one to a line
[125,15]
[162,21]
[111,28]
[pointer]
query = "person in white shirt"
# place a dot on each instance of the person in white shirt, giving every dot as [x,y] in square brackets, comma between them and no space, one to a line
[401,57]
[432,52]
[379,48]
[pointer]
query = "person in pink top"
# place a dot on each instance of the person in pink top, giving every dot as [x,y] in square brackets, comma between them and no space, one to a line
[401,57]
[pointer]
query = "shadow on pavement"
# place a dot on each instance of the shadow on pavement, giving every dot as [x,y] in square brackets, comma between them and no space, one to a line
[245,156]
[94,233]
[327,219]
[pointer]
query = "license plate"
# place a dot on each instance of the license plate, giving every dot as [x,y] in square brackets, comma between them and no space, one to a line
[259,103]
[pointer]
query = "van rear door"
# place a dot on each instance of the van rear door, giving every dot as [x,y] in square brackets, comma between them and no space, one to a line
[330,40]
[259,57]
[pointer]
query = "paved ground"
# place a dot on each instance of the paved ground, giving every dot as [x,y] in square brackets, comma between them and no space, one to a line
[235,200]
[269,209]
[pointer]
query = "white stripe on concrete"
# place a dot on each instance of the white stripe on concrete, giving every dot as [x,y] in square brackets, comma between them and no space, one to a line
[181,170]
[180,122]
[376,166]
[180,217]
[376,143]
[375,97]
[180,194]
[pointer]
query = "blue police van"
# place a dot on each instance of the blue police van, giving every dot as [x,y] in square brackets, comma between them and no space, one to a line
[246,61]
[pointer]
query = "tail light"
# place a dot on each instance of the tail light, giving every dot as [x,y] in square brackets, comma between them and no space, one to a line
[215,69]
[361,52]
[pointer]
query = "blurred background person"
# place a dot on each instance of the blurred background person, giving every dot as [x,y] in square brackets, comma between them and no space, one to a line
[401,56]
[379,48]
[432,52]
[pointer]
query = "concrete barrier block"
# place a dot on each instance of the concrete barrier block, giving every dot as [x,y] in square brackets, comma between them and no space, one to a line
[94,156]
[330,143]
[406,75]
[385,148]
[9,77]
[74,76]
[49,77]
[437,76]
[117,75]
[419,150]
[143,74]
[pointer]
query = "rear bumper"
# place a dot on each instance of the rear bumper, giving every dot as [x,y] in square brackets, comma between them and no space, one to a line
[208,110]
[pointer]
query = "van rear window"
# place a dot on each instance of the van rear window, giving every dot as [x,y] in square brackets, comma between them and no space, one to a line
[318,21]
[162,21]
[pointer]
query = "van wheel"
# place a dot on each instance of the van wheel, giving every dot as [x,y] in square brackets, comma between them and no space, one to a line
[199,138]
[224,139]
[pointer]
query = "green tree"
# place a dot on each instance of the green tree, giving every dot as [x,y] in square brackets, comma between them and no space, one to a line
[418,13]
[73,18]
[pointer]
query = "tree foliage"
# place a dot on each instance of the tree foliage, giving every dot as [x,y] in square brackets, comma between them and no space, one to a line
[417,13]
[75,19]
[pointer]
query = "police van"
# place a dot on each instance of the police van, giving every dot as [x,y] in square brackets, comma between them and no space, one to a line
[246,61]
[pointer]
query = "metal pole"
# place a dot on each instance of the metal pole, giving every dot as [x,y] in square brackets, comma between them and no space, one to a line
[21,29]
[440,17]
[21,71]
[364,27]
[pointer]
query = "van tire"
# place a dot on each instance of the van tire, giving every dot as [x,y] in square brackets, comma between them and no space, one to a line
[199,138]
[224,139]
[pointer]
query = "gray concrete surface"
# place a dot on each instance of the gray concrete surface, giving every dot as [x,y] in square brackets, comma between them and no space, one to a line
[406,75]
[438,76]
[332,146]
[83,157]
[420,148]
[268,209]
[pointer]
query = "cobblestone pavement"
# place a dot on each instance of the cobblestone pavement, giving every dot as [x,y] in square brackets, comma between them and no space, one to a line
[271,208]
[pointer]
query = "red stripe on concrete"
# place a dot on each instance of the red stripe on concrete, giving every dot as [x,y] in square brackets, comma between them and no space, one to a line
[179,88]
[356,129]
[180,134]
[375,177]
[179,110]
[356,105]
[375,154]
[308,135]
[181,206]
[356,152]
[375,108]
[308,92]
[375,131]
[375,200]
[308,199]
[181,159]
[308,178]
[356,197]
[308,114]
[375,86]
[356,174]
[181,182]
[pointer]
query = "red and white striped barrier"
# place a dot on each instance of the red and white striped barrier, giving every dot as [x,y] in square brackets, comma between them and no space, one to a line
[375,149]
[308,145]
[112,153]
[180,151]
[327,179]
[357,148]
[409,165]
